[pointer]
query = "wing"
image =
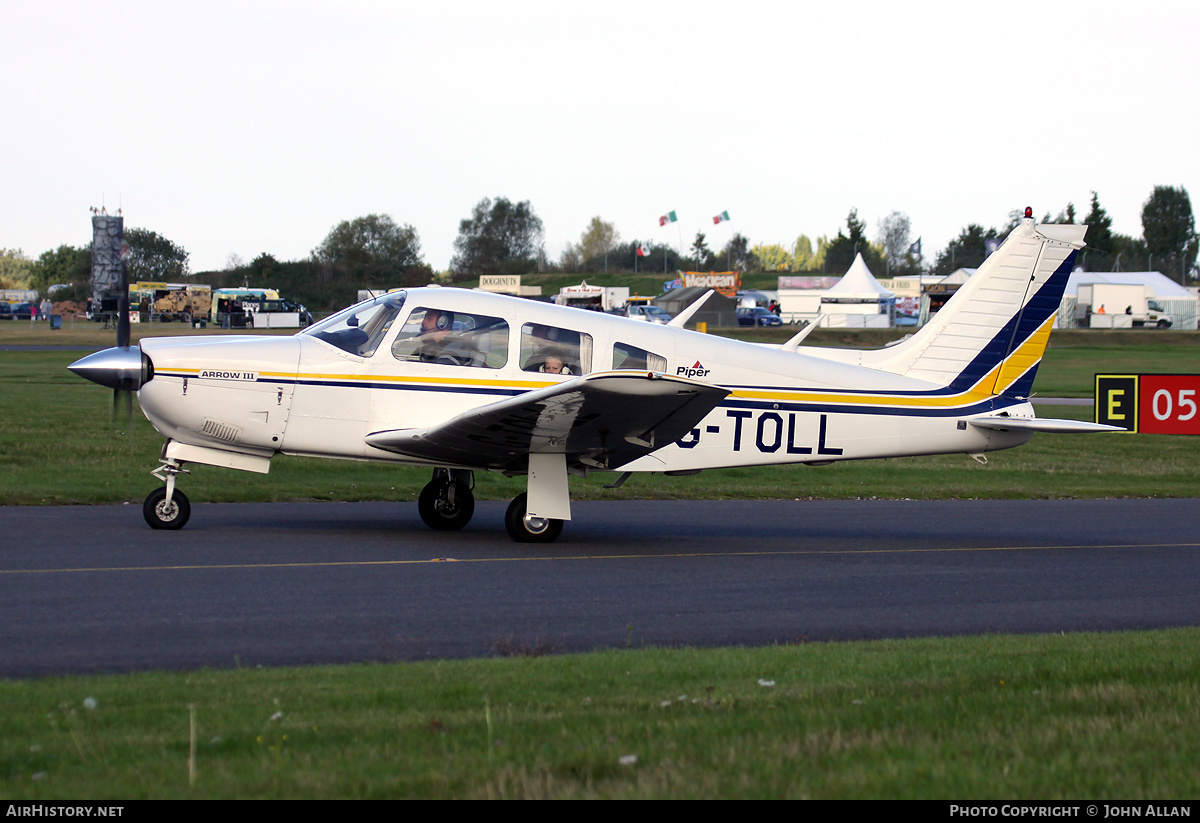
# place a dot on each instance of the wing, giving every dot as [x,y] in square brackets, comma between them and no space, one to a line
[603,420]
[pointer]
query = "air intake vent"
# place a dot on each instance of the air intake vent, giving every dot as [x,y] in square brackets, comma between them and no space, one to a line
[221,431]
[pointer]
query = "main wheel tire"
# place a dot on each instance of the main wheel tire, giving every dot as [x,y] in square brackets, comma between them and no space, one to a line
[160,515]
[438,513]
[533,530]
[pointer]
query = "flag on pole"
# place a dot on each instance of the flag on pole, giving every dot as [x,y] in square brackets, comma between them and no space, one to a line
[721,218]
[915,248]
[669,217]
[643,250]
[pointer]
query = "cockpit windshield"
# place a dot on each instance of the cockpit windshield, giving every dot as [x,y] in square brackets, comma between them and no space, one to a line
[360,329]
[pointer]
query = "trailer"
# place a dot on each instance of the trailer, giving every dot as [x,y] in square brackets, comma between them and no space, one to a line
[257,309]
[596,298]
[1121,305]
[170,302]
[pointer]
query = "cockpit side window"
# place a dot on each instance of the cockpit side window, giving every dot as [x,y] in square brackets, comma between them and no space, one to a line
[449,338]
[626,356]
[554,350]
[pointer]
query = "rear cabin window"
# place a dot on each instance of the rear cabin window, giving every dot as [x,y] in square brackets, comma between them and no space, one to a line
[432,335]
[626,356]
[554,350]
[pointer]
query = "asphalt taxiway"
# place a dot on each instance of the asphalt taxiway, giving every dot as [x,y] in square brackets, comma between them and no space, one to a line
[92,588]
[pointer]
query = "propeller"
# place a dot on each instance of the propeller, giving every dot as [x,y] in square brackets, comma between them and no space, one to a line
[123,368]
[122,402]
[123,331]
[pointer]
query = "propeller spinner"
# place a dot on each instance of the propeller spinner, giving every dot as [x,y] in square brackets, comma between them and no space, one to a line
[123,368]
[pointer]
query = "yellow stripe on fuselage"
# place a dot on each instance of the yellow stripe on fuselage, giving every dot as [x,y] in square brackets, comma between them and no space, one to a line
[973,395]
[999,378]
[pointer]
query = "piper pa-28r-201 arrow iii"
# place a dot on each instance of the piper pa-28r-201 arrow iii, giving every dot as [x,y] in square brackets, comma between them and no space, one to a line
[463,381]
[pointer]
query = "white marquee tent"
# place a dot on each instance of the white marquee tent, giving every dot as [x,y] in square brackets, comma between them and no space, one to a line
[858,300]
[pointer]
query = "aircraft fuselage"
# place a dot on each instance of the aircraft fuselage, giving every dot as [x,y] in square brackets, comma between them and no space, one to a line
[303,395]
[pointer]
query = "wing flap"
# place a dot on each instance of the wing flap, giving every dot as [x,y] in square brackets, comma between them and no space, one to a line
[602,420]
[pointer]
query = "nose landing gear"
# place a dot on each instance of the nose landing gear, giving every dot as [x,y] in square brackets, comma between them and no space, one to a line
[167,508]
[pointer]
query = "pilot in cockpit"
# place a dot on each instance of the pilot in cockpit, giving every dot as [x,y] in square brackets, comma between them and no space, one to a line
[438,345]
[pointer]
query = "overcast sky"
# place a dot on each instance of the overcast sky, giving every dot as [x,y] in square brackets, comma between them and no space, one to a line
[248,127]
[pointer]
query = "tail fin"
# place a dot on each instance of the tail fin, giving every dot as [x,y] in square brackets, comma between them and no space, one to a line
[992,333]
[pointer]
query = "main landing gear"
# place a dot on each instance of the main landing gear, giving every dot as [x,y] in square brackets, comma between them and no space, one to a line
[167,508]
[446,502]
[525,529]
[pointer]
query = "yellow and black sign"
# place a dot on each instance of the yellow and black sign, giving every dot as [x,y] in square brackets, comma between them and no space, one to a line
[1116,400]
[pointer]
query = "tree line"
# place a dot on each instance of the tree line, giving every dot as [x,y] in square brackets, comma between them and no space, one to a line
[505,237]
[1168,243]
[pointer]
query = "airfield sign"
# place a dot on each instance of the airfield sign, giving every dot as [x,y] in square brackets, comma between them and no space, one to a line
[1149,403]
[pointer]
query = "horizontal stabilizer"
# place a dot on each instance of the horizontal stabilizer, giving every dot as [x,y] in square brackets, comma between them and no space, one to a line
[1041,424]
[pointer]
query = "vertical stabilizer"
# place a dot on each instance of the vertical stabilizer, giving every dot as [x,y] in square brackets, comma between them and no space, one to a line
[990,336]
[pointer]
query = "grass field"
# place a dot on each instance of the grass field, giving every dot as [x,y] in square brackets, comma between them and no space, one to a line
[1086,716]
[1033,717]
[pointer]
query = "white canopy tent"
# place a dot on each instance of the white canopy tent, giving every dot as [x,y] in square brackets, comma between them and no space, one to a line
[858,300]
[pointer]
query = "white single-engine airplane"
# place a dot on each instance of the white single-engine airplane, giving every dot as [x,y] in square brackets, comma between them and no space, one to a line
[465,381]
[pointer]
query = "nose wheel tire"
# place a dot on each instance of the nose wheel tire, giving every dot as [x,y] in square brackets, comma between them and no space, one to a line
[525,529]
[446,506]
[162,515]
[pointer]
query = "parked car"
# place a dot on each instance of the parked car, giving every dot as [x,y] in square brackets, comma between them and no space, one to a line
[651,314]
[5,311]
[757,316]
[25,311]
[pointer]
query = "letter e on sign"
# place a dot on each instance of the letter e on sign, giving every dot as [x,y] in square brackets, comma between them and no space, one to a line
[1117,400]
